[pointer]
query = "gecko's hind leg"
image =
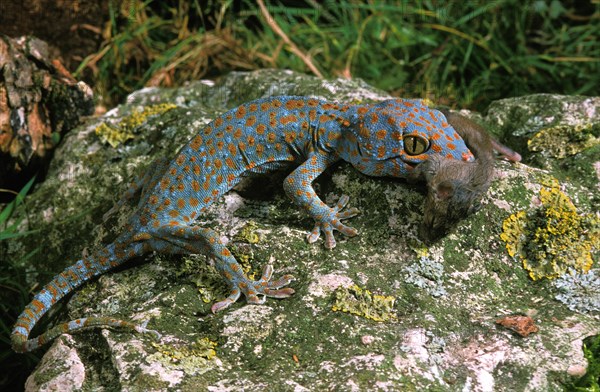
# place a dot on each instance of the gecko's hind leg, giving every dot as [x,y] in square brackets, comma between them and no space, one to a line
[195,239]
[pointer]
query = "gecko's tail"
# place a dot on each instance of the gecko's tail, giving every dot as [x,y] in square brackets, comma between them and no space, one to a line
[64,283]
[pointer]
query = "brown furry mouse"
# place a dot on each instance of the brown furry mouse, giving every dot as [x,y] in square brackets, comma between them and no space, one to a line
[455,187]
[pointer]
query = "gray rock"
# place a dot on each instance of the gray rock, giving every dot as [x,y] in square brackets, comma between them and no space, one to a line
[440,332]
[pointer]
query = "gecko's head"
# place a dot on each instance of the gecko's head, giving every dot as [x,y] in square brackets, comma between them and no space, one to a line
[392,137]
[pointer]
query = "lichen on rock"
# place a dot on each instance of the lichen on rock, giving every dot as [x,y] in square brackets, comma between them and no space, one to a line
[554,238]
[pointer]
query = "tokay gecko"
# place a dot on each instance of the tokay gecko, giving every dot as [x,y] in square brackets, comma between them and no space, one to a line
[389,138]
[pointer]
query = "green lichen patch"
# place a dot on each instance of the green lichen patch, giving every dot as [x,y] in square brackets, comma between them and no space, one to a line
[580,292]
[565,140]
[428,275]
[362,302]
[554,238]
[126,128]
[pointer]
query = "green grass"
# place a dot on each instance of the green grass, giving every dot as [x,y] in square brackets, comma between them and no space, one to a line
[464,54]
[14,293]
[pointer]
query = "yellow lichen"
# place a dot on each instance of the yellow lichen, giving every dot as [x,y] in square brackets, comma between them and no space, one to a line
[242,252]
[248,233]
[362,302]
[125,129]
[552,239]
[193,359]
[565,140]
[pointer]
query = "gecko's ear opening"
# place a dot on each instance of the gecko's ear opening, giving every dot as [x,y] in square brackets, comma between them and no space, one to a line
[444,190]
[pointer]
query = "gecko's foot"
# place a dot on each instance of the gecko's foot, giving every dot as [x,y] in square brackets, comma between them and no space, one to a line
[256,292]
[327,226]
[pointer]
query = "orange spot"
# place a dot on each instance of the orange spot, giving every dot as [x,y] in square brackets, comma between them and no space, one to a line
[207,130]
[271,137]
[251,121]
[174,213]
[180,203]
[312,115]
[153,199]
[229,162]
[253,107]
[219,179]
[232,149]
[451,146]
[206,185]
[380,151]
[238,133]
[219,121]
[229,128]
[167,202]
[194,202]
[364,132]
[436,148]
[196,143]
[242,146]
[251,141]
[261,128]
[290,137]
[180,160]
[195,186]
[333,136]
[164,183]
[265,106]
[240,112]
[381,134]
[225,252]
[230,177]
[220,144]
[196,169]
[181,186]
[212,151]
[276,103]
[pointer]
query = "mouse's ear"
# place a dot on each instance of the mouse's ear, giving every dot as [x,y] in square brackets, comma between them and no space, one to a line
[444,190]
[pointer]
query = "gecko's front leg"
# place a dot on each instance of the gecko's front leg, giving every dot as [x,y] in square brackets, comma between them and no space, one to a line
[298,186]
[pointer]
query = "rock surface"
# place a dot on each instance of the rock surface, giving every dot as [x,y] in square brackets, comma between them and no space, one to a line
[439,304]
[39,102]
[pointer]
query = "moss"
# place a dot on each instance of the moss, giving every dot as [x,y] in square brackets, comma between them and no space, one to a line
[125,129]
[552,239]
[361,302]
[564,140]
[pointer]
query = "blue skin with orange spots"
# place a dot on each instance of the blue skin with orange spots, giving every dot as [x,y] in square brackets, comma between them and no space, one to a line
[384,139]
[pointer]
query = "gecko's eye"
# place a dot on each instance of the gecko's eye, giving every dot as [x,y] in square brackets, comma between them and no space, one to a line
[415,145]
